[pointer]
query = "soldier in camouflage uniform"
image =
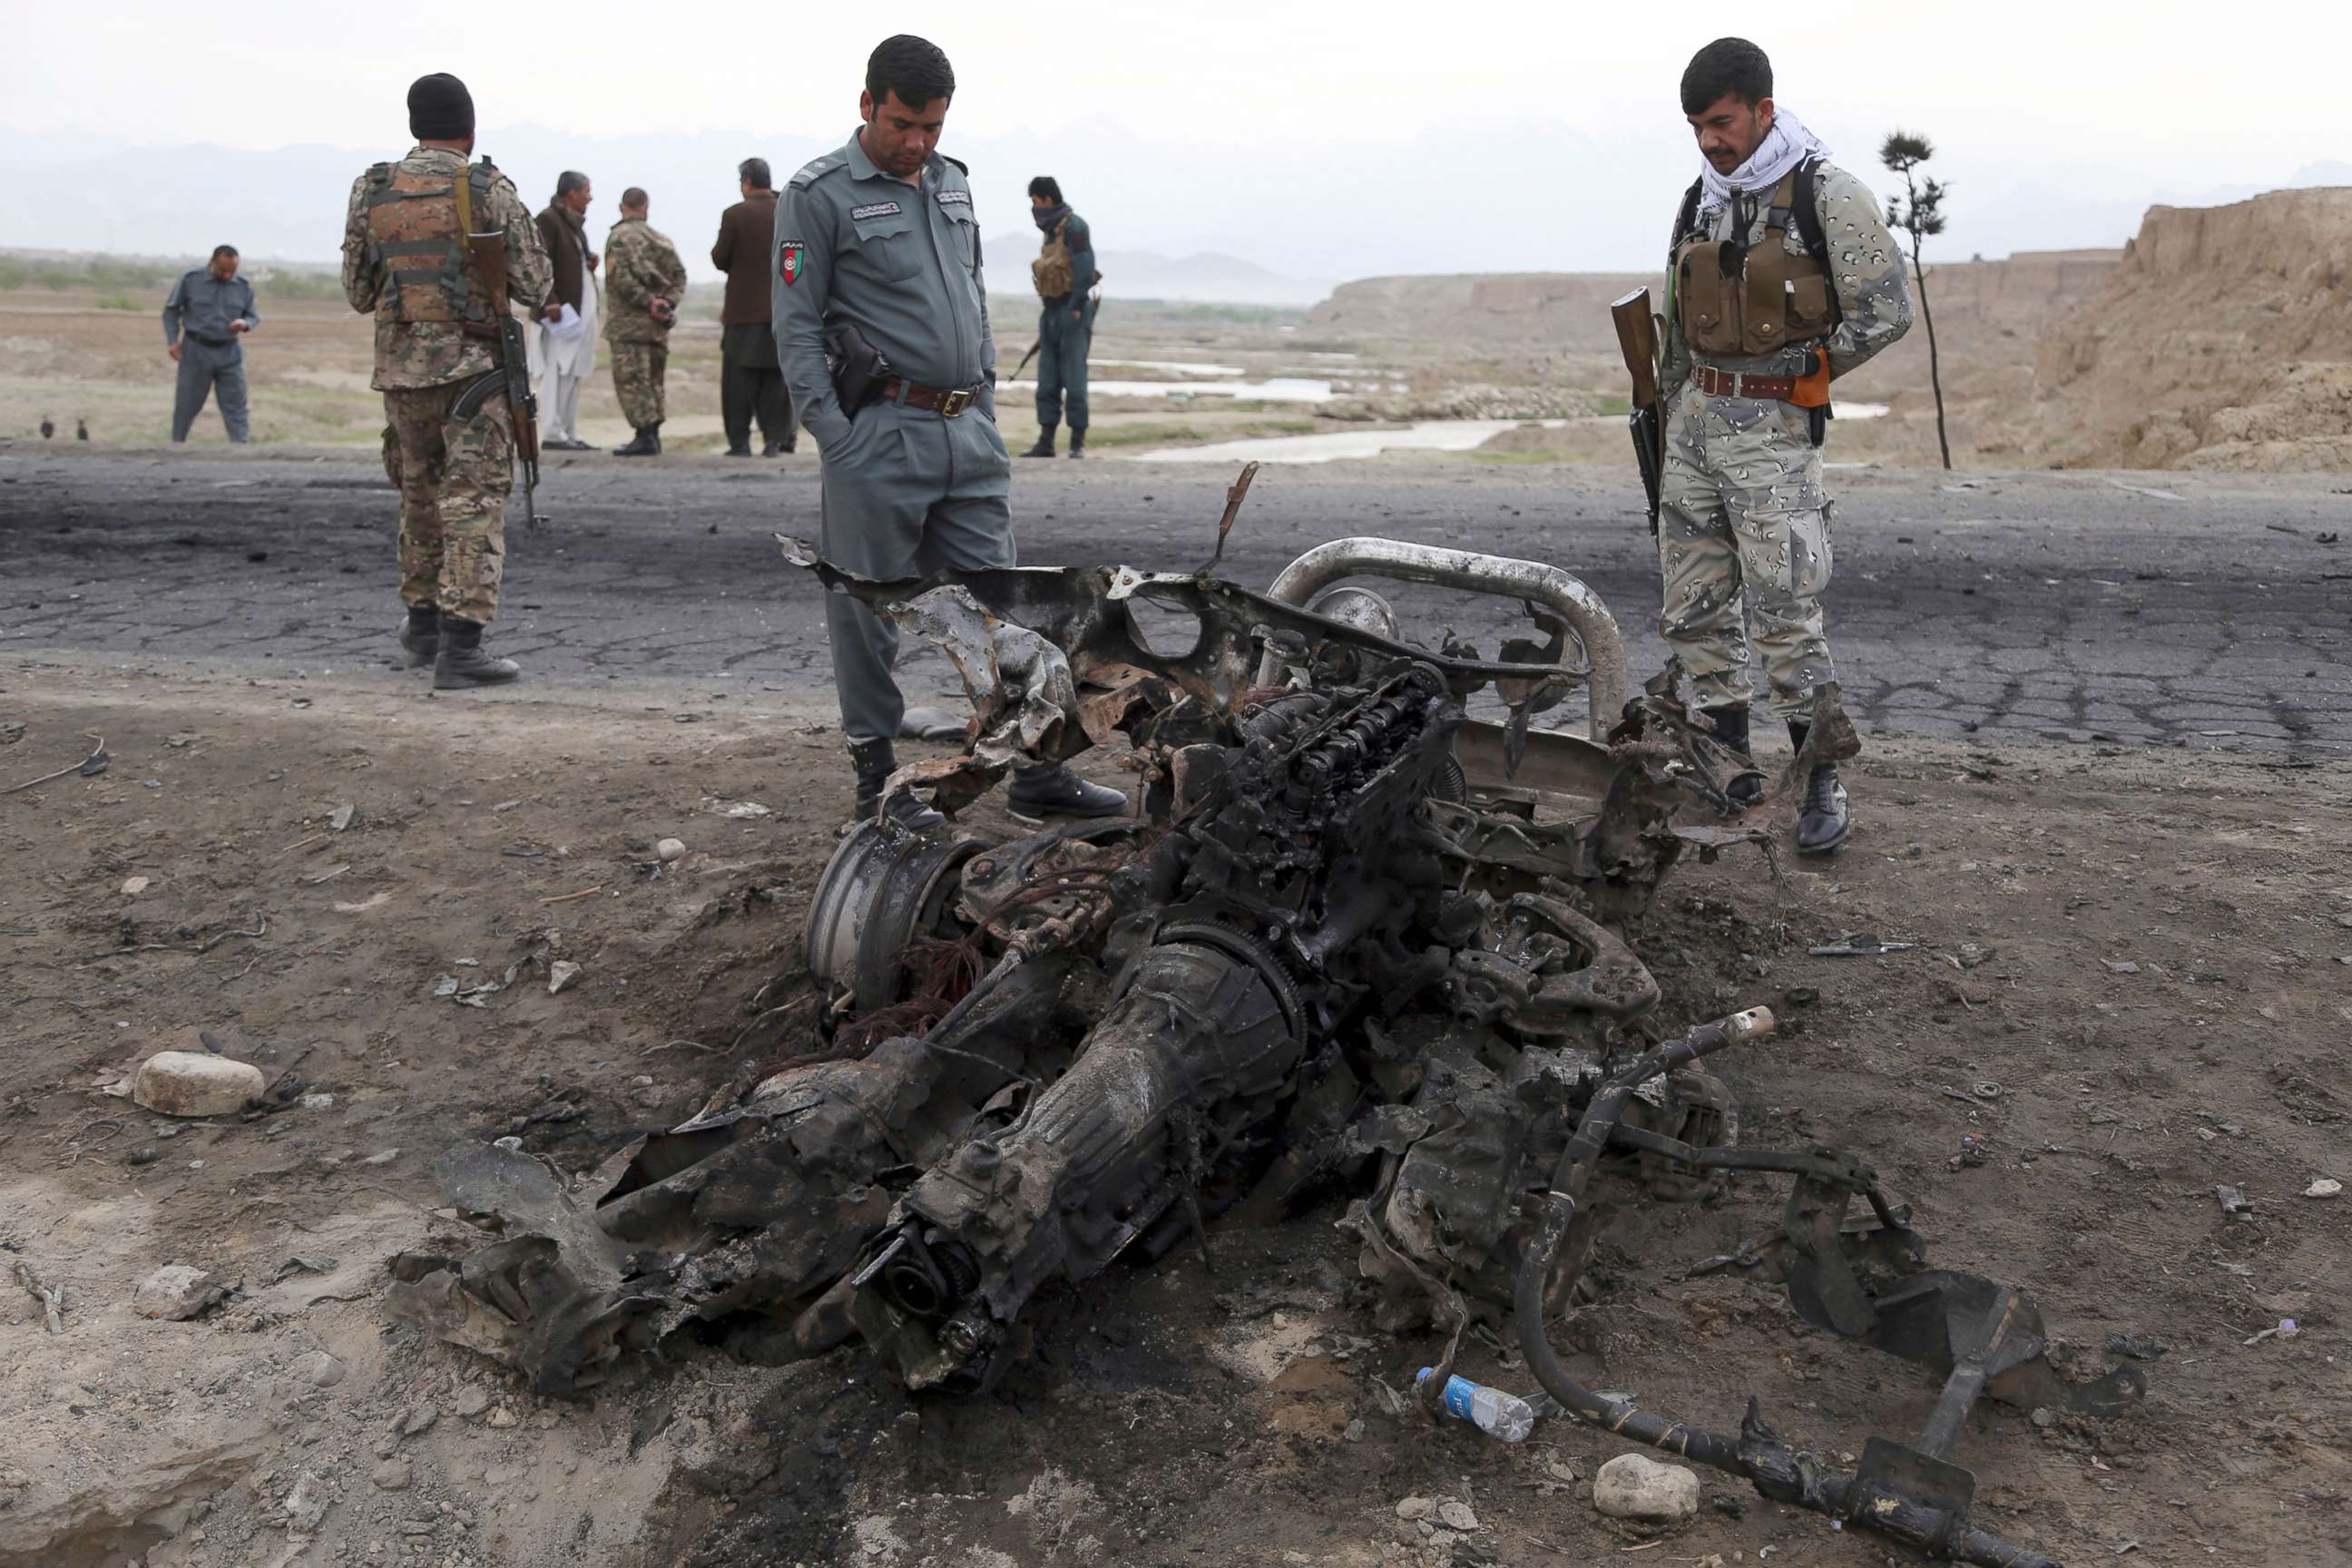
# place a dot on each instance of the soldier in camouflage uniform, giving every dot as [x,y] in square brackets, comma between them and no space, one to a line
[644,281]
[448,438]
[1781,278]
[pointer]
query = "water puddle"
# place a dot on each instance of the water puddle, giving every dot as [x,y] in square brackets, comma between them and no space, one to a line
[1275,389]
[1173,366]
[1429,435]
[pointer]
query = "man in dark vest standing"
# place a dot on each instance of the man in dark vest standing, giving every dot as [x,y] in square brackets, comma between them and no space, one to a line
[1065,276]
[566,354]
[750,380]
[1759,323]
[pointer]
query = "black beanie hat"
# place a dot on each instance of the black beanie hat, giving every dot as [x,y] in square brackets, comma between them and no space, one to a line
[439,108]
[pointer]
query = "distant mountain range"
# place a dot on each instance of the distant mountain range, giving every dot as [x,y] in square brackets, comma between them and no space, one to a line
[1207,276]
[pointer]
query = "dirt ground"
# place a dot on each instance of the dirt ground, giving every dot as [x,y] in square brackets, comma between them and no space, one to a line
[2131,983]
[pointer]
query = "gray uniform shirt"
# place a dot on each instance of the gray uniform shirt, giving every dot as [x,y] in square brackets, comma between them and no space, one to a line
[900,262]
[204,306]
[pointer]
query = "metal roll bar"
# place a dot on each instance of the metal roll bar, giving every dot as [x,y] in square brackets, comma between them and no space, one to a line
[1557,591]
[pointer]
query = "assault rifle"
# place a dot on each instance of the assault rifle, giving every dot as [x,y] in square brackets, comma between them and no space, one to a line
[1637,338]
[489,252]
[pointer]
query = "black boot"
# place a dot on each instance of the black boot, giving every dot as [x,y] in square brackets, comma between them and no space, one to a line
[1730,723]
[463,663]
[421,638]
[739,449]
[874,762]
[1077,441]
[1045,447]
[647,444]
[1057,792]
[1825,821]
[769,449]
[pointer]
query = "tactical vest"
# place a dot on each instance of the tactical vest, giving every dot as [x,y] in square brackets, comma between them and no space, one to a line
[1751,299]
[416,234]
[1053,268]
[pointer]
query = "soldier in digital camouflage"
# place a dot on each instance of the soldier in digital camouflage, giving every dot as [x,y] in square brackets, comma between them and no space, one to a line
[644,281]
[1781,278]
[448,438]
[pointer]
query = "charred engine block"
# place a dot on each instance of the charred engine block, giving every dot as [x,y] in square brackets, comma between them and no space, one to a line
[1242,929]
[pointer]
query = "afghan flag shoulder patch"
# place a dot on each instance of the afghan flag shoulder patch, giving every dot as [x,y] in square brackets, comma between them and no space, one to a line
[789,258]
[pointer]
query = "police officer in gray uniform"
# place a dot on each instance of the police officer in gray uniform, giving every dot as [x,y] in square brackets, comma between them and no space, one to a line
[205,322]
[878,253]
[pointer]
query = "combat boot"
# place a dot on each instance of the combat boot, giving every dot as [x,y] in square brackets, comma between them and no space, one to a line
[463,663]
[421,638]
[741,449]
[1045,447]
[647,443]
[874,762]
[1826,820]
[1042,793]
[1078,443]
[1730,723]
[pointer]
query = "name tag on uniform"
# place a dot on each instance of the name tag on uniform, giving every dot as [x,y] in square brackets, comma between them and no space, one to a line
[874,209]
[955,198]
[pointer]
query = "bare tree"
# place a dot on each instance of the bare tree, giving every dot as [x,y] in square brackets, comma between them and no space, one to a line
[1919,212]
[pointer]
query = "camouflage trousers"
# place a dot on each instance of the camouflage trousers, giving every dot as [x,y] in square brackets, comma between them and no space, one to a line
[638,371]
[1741,508]
[454,475]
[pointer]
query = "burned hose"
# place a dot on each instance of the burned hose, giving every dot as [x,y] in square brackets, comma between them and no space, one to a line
[1757,1454]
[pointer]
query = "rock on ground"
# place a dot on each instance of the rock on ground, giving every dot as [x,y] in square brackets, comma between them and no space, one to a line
[1633,1487]
[175,1291]
[189,1083]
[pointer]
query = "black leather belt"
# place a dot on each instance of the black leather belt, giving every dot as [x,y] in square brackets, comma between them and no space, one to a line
[945,403]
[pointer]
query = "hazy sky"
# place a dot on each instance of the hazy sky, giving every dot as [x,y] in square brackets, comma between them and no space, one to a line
[1324,140]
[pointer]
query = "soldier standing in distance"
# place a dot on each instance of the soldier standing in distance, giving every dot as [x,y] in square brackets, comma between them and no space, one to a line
[437,363]
[205,322]
[644,281]
[1780,278]
[1065,276]
[877,253]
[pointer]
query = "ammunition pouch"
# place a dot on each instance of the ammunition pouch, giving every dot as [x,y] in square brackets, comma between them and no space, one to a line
[1738,299]
[1053,271]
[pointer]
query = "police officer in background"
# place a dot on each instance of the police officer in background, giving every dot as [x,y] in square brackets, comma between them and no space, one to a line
[204,323]
[1760,318]
[877,253]
[1065,276]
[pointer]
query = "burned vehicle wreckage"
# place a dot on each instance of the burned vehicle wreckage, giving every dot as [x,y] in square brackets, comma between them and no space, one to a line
[1355,941]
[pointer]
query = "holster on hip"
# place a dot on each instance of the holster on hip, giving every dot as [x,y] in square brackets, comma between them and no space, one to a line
[858,367]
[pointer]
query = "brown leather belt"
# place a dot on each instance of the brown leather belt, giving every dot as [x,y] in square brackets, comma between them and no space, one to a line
[1741,384]
[931,399]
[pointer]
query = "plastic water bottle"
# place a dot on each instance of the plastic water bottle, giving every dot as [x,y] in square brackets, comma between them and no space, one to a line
[1491,1411]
